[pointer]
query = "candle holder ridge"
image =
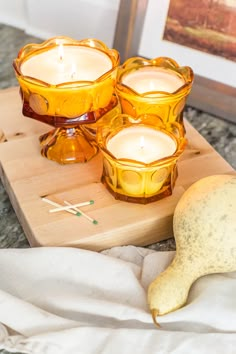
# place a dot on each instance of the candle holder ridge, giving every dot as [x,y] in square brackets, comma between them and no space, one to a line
[135,181]
[167,105]
[68,105]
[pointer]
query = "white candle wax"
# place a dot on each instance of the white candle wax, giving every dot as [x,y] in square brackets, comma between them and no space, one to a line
[67,64]
[141,143]
[150,78]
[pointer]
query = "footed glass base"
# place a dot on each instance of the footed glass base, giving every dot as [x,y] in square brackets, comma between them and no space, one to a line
[67,145]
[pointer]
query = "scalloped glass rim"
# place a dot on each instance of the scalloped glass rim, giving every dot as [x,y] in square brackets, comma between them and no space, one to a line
[29,50]
[134,63]
[180,145]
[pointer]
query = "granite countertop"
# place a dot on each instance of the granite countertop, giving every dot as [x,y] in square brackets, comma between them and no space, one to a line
[219,133]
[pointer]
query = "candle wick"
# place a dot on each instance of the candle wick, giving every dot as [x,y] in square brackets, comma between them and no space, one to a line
[73,75]
[61,52]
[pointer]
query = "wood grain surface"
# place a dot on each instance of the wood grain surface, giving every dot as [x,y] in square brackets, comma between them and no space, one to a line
[27,176]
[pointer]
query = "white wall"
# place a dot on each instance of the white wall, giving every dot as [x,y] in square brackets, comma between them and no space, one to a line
[75,18]
[13,12]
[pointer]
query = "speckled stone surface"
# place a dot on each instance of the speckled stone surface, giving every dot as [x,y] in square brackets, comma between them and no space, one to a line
[220,134]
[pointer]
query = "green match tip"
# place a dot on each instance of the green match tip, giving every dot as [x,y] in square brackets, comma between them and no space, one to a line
[91,201]
[78,214]
[95,222]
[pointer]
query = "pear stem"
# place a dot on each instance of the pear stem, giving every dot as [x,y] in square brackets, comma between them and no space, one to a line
[155,313]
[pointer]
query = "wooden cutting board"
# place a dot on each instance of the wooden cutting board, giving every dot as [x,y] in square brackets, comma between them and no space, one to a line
[27,176]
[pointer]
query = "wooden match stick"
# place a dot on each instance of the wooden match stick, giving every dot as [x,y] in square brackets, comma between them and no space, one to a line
[46,200]
[71,206]
[81,212]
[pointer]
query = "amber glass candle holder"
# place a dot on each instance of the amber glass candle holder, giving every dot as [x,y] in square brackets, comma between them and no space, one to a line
[158,86]
[67,83]
[140,157]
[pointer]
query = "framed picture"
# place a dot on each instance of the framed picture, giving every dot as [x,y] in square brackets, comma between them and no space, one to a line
[200,34]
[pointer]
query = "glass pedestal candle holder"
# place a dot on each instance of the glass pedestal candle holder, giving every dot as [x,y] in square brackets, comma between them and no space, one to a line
[140,157]
[158,86]
[67,83]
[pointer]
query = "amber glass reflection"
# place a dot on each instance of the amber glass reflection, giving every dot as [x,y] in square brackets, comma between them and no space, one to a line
[135,181]
[67,105]
[168,106]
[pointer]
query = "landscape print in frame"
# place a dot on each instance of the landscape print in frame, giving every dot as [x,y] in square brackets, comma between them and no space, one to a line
[205,25]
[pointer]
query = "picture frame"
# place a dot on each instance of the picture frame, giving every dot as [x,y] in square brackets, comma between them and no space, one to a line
[139,32]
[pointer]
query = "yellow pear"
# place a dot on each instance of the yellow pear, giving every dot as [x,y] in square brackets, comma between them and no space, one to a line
[204,226]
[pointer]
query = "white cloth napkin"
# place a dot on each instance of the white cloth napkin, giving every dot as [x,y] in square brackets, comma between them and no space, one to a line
[73,301]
